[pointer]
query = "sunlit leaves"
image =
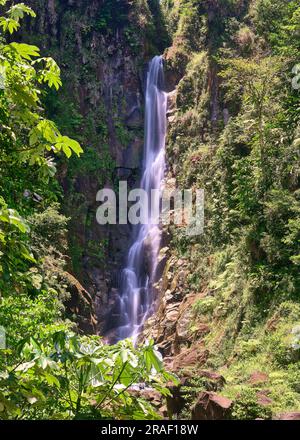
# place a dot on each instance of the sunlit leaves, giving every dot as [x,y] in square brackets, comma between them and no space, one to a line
[26,51]
[12,217]
[46,134]
[255,80]
[11,23]
[81,370]
[28,141]
[22,72]
[45,130]
[152,359]
[50,74]
[19,10]
[67,145]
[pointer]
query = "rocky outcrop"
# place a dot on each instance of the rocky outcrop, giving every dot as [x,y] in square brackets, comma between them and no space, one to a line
[212,381]
[258,377]
[179,394]
[153,397]
[211,406]
[172,309]
[188,359]
[170,327]
[80,305]
[288,416]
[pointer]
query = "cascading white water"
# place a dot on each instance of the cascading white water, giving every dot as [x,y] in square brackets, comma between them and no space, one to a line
[136,298]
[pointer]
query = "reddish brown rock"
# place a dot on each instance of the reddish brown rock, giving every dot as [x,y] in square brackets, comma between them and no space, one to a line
[263,399]
[211,406]
[192,357]
[202,329]
[288,416]
[149,394]
[215,381]
[176,402]
[163,411]
[258,377]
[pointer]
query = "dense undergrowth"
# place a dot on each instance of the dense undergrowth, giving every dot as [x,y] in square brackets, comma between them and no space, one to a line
[236,134]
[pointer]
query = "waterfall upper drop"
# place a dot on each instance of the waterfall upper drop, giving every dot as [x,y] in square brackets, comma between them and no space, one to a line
[136,293]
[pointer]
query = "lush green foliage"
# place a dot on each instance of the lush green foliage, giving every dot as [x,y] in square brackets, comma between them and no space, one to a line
[236,134]
[64,376]
[233,58]
[48,371]
[29,143]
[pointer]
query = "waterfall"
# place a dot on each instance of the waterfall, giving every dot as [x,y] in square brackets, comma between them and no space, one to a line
[136,296]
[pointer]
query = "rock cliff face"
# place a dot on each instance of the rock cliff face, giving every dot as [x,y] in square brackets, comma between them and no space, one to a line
[102,47]
[221,313]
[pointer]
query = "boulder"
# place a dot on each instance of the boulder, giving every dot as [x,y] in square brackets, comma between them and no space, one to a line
[288,416]
[191,357]
[211,406]
[263,398]
[258,377]
[214,382]
[176,402]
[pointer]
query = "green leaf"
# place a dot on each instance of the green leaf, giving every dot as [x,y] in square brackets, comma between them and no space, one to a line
[67,150]
[51,73]
[18,11]
[26,254]
[16,220]
[12,217]
[8,24]
[152,360]
[26,51]
[68,145]
[52,380]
